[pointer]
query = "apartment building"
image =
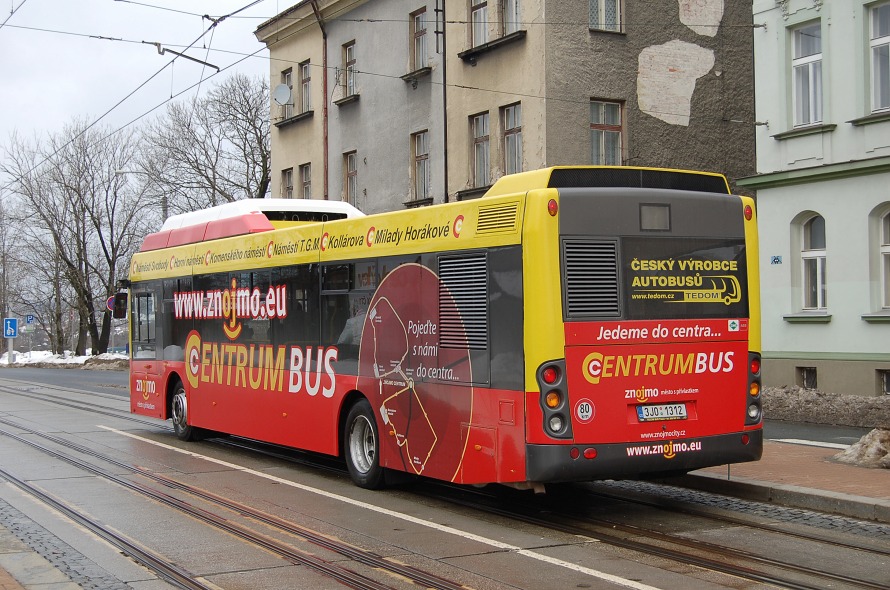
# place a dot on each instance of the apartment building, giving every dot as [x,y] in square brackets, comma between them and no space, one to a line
[822,70]
[413,102]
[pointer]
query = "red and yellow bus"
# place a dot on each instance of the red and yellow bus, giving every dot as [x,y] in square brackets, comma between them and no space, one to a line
[575,323]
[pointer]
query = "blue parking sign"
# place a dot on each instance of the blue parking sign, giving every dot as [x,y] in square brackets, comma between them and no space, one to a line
[29,319]
[10,327]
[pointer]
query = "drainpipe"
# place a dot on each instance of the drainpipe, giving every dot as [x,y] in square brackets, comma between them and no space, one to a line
[324,84]
[444,100]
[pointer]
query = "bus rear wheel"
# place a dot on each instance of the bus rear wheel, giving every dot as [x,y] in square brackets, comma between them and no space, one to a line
[180,415]
[362,447]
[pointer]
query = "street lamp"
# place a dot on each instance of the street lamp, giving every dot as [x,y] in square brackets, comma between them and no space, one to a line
[163,196]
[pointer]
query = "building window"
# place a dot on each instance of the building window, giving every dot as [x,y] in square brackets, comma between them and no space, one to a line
[350,178]
[287,183]
[349,68]
[421,144]
[512,138]
[880,56]
[806,67]
[883,382]
[813,260]
[481,151]
[479,22]
[885,259]
[418,35]
[605,15]
[306,181]
[806,377]
[305,87]
[511,16]
[287,78]
[605,133]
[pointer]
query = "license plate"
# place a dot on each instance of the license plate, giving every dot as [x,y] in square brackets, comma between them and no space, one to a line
[651,412]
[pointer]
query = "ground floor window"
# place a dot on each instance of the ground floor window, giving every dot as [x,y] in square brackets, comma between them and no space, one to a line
[806,377]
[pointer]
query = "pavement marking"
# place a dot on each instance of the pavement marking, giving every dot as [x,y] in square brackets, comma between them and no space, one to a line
[419,521]
[811,443]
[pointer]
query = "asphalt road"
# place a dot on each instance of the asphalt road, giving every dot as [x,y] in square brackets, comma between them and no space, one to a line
[116,383]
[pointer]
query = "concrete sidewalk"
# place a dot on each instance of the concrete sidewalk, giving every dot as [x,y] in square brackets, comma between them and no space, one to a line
[801,476]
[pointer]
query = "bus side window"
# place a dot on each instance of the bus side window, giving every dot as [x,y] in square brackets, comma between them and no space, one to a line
[144,330]
[300,326]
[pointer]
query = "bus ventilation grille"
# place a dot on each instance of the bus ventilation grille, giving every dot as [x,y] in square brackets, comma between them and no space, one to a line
[497,218]
[591,278]
[463,301]
[636,178]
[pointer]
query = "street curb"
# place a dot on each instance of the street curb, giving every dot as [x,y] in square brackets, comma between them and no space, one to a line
[861,507]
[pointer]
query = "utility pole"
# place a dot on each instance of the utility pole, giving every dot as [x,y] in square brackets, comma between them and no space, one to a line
[4,279]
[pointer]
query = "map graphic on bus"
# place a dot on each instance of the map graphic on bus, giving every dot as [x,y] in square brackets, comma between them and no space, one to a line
[421,409]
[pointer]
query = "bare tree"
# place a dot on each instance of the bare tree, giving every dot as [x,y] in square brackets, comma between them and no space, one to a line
[72,196]
[212,150]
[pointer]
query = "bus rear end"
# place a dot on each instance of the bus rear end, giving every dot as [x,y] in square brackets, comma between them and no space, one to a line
[661,367]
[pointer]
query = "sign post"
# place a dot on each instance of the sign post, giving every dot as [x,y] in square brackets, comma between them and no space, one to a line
[10,332]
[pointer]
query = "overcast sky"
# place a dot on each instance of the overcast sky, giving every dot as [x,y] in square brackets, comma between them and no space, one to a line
[57,63]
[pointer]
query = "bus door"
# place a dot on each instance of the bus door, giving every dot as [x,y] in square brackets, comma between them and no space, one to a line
[146,366]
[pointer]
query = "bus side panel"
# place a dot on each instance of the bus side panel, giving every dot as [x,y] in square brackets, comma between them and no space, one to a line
[271,393]
[424,367]
[147,388]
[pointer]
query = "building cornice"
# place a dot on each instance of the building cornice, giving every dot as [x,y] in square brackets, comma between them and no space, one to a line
[301,11]
[817,173]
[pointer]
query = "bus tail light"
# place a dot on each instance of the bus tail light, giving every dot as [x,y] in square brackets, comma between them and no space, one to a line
[550,374]
[554,399]
[552,207]
[754,411]
[589,453]
[749,212]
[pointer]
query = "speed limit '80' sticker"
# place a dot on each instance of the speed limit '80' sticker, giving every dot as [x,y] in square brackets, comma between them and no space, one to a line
[585,410]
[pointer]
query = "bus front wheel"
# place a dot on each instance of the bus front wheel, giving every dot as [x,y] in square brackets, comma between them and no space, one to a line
[362,447]
[180,415]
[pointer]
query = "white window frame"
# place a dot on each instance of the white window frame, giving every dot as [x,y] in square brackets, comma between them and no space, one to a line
[512,120]
[884,249]
[421,147]
[350,178]
[604,15]
[287,183]
[419,53]
[306,181]
[879,52]
[806,76]
[478,22]
[479,126]
[605,133]
[287,78]
[349,68]
[305,87]
[813,266]
[510,16]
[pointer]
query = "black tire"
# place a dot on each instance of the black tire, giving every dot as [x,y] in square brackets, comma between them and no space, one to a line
[179,413]
[361,447]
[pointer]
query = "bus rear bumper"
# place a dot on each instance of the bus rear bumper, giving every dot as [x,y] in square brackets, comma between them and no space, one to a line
[555,463]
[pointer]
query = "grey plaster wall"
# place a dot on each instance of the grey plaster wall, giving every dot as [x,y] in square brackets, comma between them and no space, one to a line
[378,126]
